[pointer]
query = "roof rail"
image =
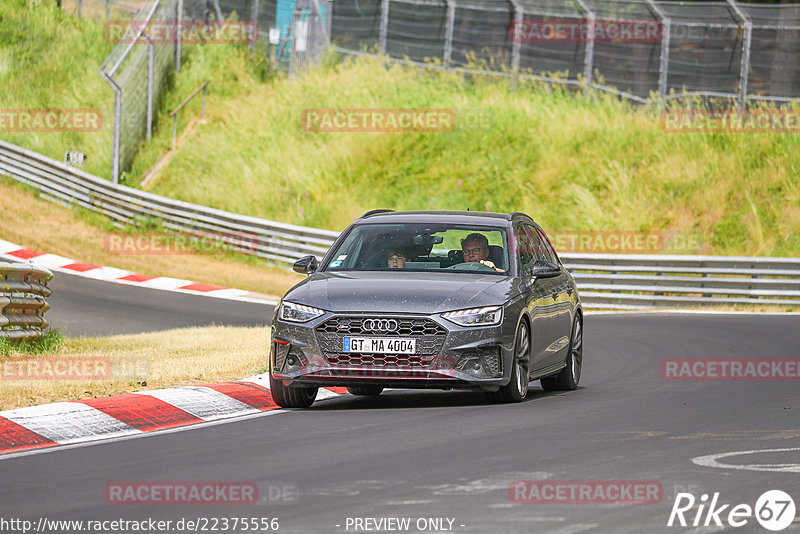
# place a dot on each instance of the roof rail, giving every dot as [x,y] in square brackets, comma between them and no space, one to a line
[374,212]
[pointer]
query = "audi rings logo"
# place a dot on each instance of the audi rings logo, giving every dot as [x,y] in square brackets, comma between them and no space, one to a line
[380,325]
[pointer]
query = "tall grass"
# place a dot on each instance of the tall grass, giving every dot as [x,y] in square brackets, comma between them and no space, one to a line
[573,164]
[49,60]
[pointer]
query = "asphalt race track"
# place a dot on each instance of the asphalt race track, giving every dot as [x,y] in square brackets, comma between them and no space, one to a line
[450,455]
[81,306]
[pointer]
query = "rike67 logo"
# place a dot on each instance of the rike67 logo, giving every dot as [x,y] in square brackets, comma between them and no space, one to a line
[774,510]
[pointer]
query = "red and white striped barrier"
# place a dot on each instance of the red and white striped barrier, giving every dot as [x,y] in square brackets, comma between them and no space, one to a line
[131,414]
[111,274]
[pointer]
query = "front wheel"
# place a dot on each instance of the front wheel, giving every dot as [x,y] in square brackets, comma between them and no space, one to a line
[517,388]
[568,378]
[291,397]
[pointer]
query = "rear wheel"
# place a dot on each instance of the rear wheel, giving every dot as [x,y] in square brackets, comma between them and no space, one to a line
[369,391]
[291,396]
[517,388]
[568,378]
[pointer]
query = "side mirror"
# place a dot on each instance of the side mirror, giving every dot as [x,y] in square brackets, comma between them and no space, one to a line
[306,265]
[545,269]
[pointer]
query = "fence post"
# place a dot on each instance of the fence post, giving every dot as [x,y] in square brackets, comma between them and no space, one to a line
[589,55]
[179,28]
[663,66]
[151,59]
[254,20]
[448,43]
[747,27]
[519,13]
[384,25]
[117,119]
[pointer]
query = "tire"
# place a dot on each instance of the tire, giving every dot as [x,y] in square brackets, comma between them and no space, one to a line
[517,388]
[570,376]
[366,391]
[291,397]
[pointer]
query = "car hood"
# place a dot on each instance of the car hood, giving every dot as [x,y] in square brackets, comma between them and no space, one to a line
[398,291]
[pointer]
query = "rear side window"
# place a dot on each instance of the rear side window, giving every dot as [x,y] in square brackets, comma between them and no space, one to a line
[547,251]
[527,244]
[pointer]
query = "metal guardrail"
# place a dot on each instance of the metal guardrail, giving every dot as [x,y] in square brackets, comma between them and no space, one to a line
[605,280]
[637,281]
[129,206]
[23,290]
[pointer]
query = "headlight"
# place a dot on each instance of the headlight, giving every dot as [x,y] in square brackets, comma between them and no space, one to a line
[298,313]
[488,316]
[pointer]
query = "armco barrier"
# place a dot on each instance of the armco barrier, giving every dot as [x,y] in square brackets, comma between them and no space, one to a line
[129,206]
[648,281]
[23,290]
[604,280]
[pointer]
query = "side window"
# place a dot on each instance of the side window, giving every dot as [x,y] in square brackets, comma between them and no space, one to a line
[545,248]
[526,249]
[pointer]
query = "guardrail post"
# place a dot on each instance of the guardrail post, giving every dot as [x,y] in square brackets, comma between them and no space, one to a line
[588,59]
[744,72]
[448,30]
[384,25]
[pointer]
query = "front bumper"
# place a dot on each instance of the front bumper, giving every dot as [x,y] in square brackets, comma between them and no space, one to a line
[447,357]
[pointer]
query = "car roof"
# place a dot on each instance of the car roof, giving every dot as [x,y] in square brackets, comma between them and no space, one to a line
[462,217]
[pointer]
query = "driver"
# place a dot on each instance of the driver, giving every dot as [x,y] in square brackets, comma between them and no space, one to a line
[395,258]
[475,247]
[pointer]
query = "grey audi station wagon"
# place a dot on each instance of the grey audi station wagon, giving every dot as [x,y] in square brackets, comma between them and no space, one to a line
[429,299]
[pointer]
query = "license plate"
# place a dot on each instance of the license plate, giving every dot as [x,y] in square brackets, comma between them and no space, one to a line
[380,345]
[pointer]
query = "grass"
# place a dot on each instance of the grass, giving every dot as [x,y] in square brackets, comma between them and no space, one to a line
[31,222]
[187,356]
[592,165]
[51,341]
[573,164]
[49,60]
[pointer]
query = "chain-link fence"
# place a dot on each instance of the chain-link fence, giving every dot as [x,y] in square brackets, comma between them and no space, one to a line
[639,49]
[136,70]
[149,35]
[635,48]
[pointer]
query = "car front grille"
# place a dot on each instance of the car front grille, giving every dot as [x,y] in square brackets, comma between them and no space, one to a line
[429,334]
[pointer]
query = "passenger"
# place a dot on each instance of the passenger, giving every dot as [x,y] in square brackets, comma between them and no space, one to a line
[475,247]
[395,258]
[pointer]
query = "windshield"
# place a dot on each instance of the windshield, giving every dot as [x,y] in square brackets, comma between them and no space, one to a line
[422,247]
